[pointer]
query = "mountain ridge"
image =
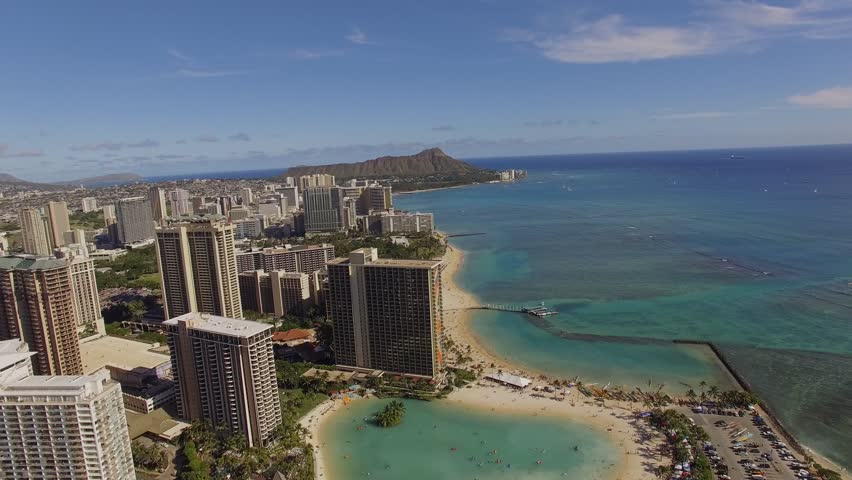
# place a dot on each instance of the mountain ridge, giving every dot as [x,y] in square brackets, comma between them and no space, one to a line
[431,161]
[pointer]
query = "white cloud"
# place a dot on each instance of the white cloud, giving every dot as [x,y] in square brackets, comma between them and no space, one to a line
[208,138]
[147,143]
[193,73]
[6,152]
[719,26]
[691,115]
[309,54]
[97,147]
[174,52]
[240,137]
[358,37]
[836,97]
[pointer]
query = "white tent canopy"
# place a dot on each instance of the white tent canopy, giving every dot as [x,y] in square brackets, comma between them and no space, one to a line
[509,379]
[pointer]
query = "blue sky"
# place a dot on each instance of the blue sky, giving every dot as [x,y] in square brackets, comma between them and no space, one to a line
[174,87]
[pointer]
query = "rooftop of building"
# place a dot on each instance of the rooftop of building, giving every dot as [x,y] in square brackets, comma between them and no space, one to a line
[198,218]
[29,262]
[56,385]
[292,334]
[13,352]
[287,248]
[390,262]
[222,325]
[120,352]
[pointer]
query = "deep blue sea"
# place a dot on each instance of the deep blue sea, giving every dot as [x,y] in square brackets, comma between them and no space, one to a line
[753,253]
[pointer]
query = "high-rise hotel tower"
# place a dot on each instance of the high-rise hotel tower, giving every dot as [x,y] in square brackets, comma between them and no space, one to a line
[387,313]
[198,266]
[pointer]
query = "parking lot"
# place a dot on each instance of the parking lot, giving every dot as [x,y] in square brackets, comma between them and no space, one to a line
[755,457]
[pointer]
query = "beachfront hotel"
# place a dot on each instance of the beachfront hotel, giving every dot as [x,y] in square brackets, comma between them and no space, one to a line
[225,372]
[60,427]
[198,266]
[386,313]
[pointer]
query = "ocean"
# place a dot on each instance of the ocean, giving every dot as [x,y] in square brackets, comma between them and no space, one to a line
[750,249]
[437,440]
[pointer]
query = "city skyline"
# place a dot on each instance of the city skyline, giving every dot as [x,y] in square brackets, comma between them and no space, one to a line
[303,84]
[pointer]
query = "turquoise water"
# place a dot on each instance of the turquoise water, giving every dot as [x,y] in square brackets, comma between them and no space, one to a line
[421,448]
[635,250]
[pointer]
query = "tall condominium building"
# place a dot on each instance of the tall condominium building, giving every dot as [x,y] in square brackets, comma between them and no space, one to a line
[89,204]
[387,313]
[87,306]
[109,215]
[180,202]
[34,232]
[225,371]
[64,427]
[350,213]
[279,293]
[376,197]
[239,213]
[323,209]
[198,267]
[298,259]
[291,194]
[157,199]
[400,222]
[272,210]
[249,227]
[246,196]
[225,203]
[37,306]
[76,237]
[57,216]
[315,180]
[134,221]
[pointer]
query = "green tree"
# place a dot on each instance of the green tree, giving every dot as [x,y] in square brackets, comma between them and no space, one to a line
[391,415]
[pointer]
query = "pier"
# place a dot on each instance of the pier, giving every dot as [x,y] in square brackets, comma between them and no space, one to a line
[538,310]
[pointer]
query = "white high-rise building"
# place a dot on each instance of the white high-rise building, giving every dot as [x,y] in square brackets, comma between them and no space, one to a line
[84,287]
[225,372]
[89,204]
[57,216]
[135,223]
[157,197]
[34,232]
[247,196]
[180,202]
[109,215]
[64,428]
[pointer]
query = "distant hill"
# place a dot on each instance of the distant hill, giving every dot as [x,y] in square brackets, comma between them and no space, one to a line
[428,162]
[111,179]
[12,181]
[6,178]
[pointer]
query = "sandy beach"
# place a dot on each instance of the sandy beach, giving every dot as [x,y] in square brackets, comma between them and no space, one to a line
[635,443]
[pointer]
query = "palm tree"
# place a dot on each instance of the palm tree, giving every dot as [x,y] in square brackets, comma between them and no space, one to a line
[702,385]
[713,392]
[690,394]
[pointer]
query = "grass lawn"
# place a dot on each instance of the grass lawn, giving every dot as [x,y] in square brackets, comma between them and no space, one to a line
[298,402]
[148,280]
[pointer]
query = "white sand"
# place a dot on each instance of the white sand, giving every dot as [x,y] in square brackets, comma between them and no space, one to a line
[636,444]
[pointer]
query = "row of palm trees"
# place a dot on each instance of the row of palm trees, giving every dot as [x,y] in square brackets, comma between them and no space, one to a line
[733,398]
